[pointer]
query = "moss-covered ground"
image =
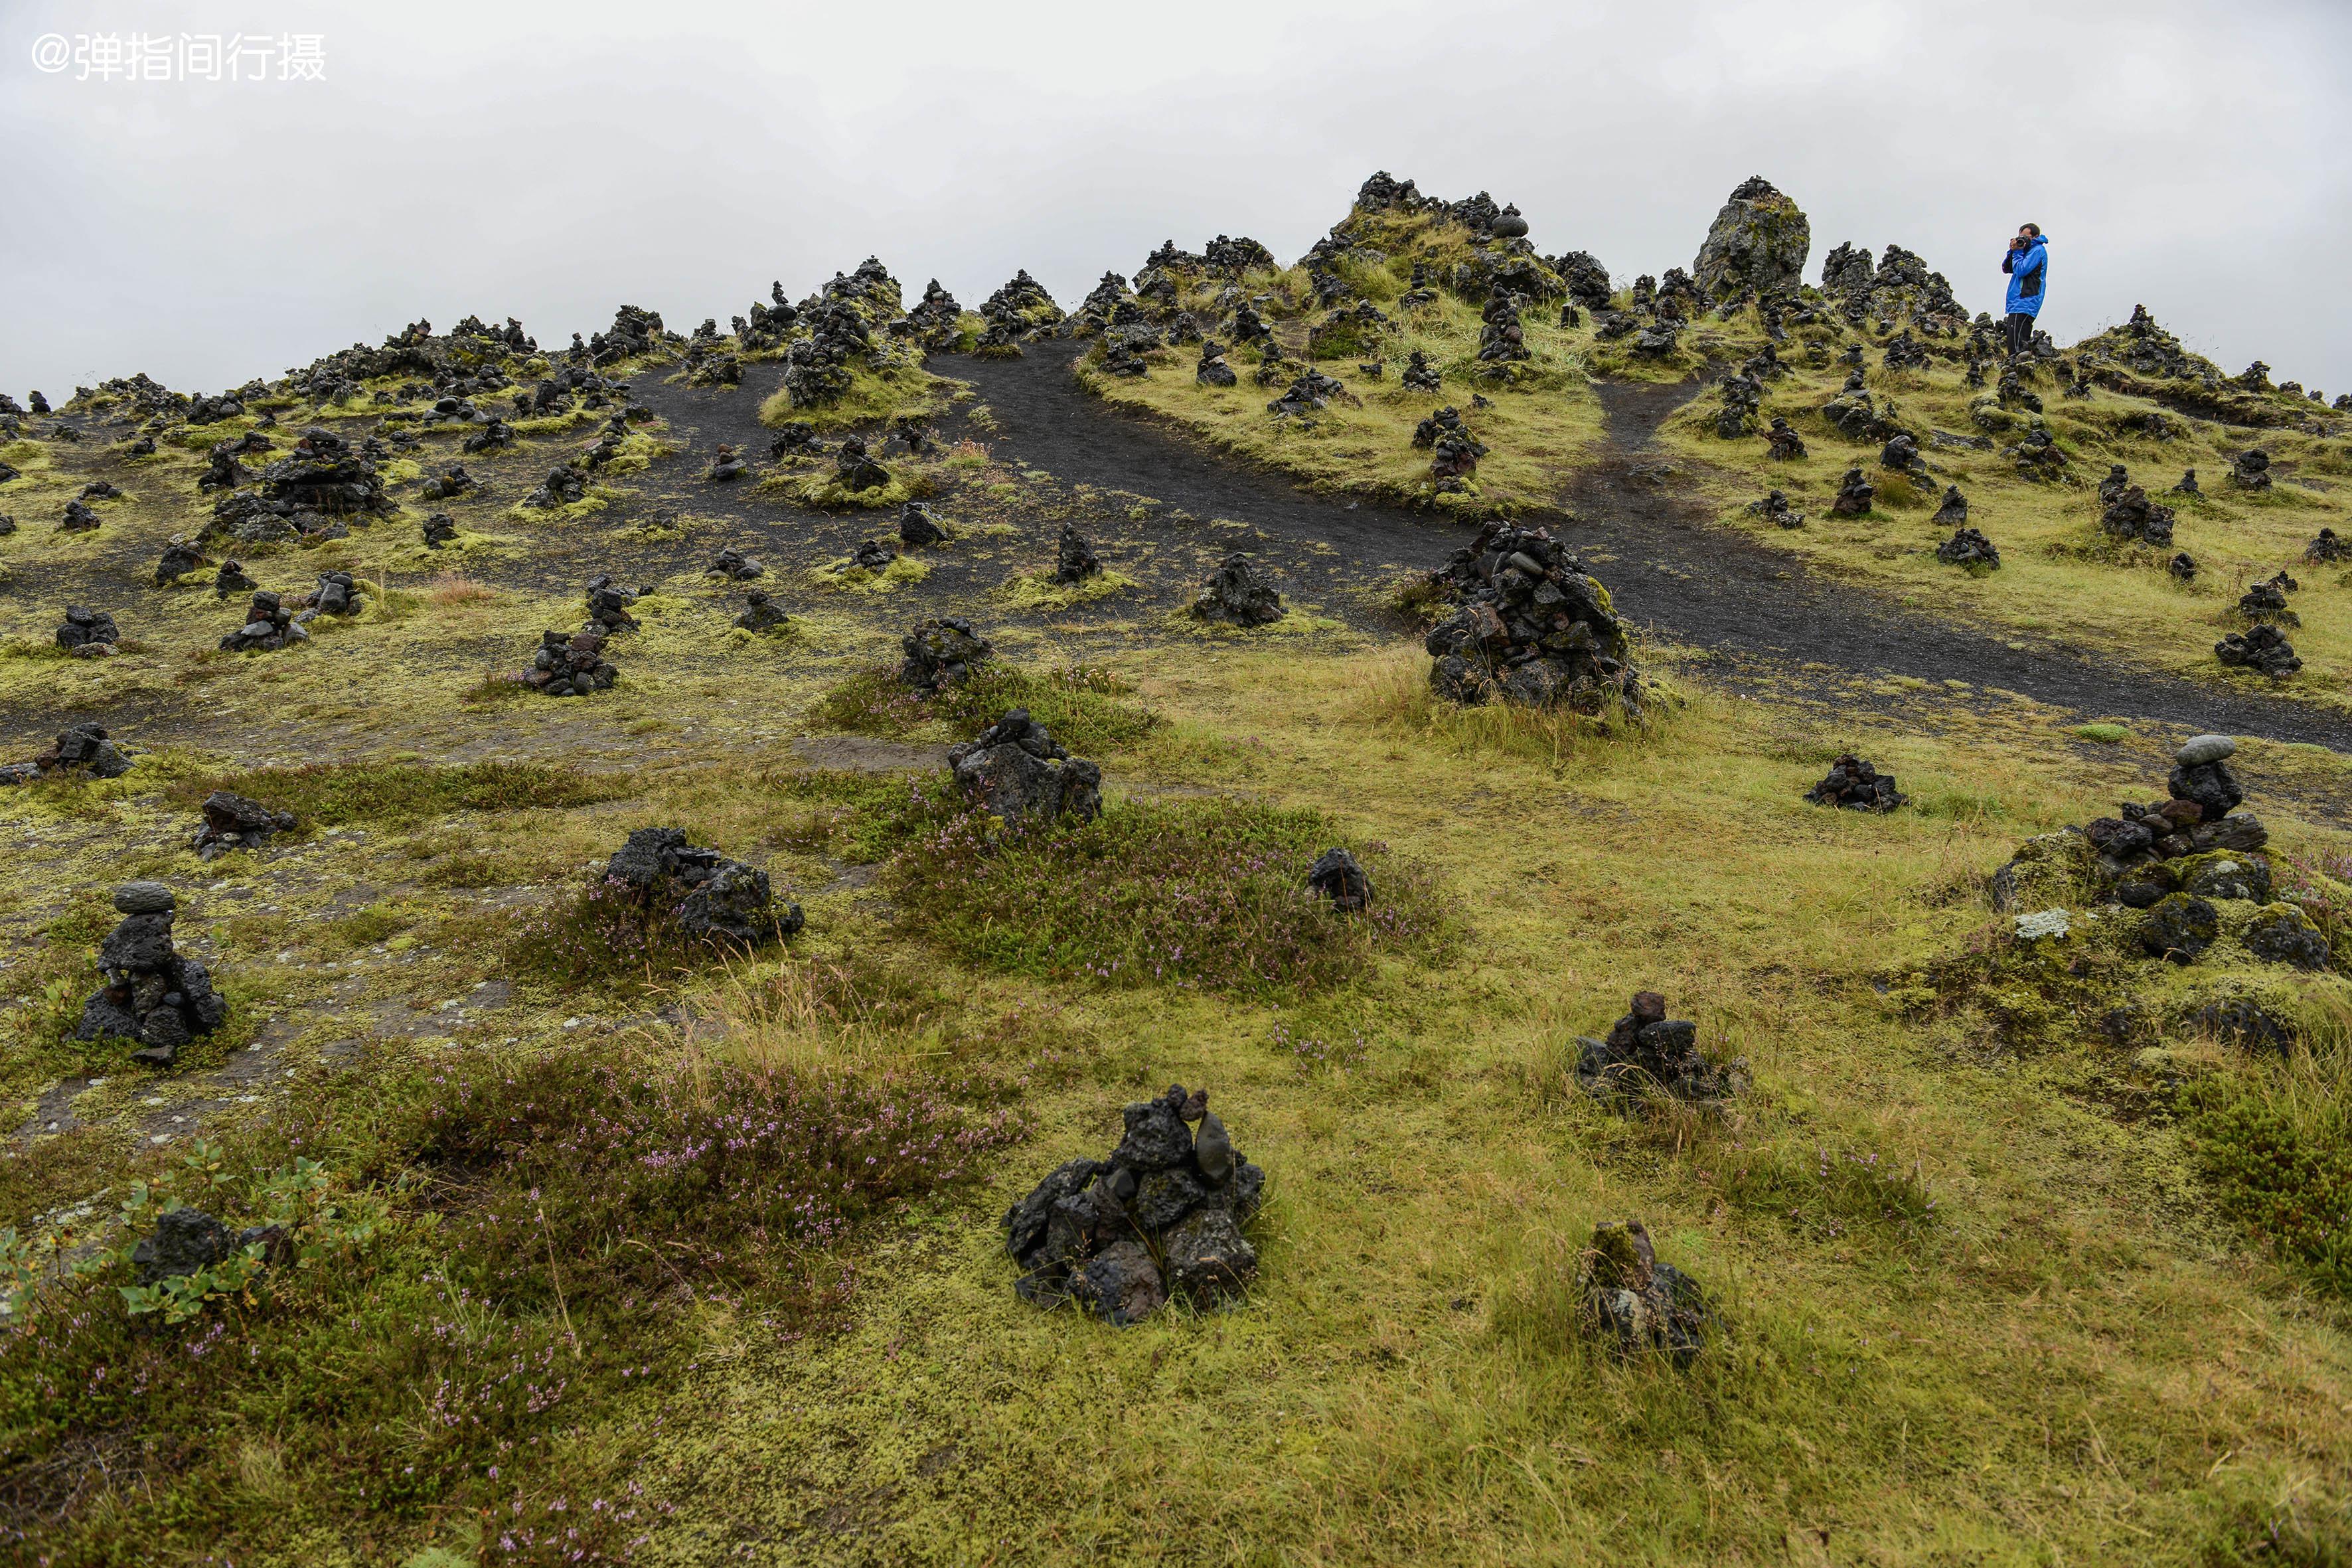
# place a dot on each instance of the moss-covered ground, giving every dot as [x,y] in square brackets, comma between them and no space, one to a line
[612,1250]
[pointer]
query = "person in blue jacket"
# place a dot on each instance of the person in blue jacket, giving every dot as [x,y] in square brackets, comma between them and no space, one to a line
[2028,266]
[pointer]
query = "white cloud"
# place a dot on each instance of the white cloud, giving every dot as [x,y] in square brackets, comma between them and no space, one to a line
[554,160]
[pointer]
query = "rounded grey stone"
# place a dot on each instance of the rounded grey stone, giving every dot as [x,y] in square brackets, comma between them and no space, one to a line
[143,898]
[2204,749]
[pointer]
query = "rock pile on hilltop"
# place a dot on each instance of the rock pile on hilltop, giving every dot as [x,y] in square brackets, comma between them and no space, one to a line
[1160,1216]
[1015,770]
[1532,628]
[152,994]
[1760,240]
[704,894]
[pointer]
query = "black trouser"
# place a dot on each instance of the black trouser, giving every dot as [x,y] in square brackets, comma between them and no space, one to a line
[2020,332]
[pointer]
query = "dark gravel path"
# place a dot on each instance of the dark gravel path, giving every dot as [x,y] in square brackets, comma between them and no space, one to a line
[1667,563]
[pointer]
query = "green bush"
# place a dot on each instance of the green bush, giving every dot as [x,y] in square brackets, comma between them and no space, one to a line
[2279,1152]
[1197,893]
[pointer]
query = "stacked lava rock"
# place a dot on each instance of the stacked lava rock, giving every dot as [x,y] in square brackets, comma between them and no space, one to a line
[1968,547]
[1501,338]
[2262,648]
[236,822]
[732,562]
[708,896]
[2326,549]
[856,470]
[324,474]
[180,558]
[1854,786]
[268,626]
[80,751]
[2130,517]
[1532,628]
[919,526]
[338,594]
[1073,559]
[1635,1304]
[151,995]
[1646,1053]
[608,606]
[571,667]
[935,317]
[1775,508]
[88,634]
[1161,1216]
[1453,451]
[1016,771]
[1237,596]
[2266,601]
[941,653]
[764,614]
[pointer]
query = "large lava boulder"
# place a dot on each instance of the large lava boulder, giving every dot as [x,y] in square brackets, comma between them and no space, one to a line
[1161,1216]
[1759,240]
[1015,769]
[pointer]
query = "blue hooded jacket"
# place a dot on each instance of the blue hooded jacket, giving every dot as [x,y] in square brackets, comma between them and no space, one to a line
[2029,276]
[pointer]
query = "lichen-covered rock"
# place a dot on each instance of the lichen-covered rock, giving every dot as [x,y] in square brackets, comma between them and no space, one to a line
[941,653]
[1018,772]
[268,626]
[763,613]
[1635,1303]
[2180,928]
[1759,240]
[2283,933]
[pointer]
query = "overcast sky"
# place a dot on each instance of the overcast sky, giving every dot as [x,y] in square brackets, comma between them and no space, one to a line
[550,159]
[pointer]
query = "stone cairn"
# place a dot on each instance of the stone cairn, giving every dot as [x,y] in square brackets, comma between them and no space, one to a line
[1854,495]
[1854,786]
[236,822]
[1073,559]
[762,615]
[727,464]
[1161,1216]
[2266,601]
[1237,596]
[1646,1053]
[2175,859]
[440,529]
[1419,375]
[2129,516]
[1531,627]
[151,995]
[1635,1304]
[1970,549]
[734,563]
[2326,550]
[1952,512]
[919,526]
[608,606]
[231,579]
[88,634]
[570,666]
[1453,451]
[2250,470]
[941,653]
[338,594]
[1775,508]
[179,559]
[268,626]
[709,896]
[855,470]
[1783,444]
[80,751]
[872,555]
[1213,370]
[1015,770]
[1340,877]
[2262,646]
